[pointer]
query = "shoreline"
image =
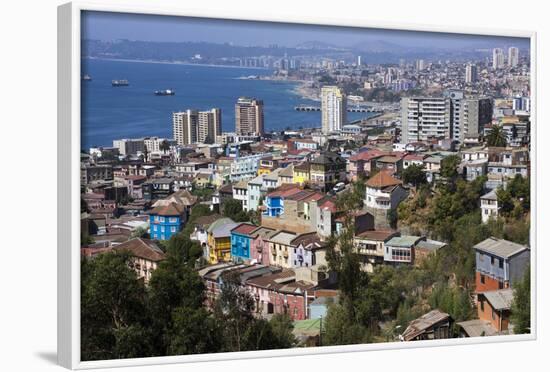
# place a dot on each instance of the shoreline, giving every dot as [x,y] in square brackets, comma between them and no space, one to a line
[152,61]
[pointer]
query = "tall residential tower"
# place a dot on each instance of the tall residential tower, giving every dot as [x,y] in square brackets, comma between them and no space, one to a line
[192,126]
[333,109]
[249,116]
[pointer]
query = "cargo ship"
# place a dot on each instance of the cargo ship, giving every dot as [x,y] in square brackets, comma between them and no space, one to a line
[165,92]
[120,83]
[87,77]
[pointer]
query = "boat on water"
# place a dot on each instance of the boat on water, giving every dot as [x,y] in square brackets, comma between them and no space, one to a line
[87,77]
[120,83]
[165,92]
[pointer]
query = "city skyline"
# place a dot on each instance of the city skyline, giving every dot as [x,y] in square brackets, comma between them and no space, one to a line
[152,28]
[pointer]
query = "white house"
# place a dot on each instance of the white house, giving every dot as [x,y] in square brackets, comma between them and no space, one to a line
[385,192]
[489,206]
[254,193]
[240,193]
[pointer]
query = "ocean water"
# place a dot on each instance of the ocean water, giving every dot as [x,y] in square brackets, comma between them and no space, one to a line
[110,113]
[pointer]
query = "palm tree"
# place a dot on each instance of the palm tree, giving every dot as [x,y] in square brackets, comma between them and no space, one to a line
[496,137]
[164,146]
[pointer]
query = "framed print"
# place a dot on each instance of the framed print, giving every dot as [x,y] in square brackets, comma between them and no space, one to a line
[254,187]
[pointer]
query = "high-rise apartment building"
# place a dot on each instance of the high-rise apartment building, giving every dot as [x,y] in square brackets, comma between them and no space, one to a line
[424,118]
[192,126]
[475,113]
[249,116]
[471,74]
[420,65]
[333,109]
[498,58]
[513,56]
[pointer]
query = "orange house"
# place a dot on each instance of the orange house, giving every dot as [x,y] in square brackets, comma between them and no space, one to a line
[494,307]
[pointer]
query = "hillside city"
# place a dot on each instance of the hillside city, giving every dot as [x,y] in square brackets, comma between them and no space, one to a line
[412,223]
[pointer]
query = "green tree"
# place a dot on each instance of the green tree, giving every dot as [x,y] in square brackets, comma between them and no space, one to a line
[113,309]
[496,137]
[194,331]
[414,174]
[520,314]
[449,167]
[164,146]
[339,330]
[281,325]
[233,209]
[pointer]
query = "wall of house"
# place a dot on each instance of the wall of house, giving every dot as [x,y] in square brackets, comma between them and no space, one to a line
[397,196]
[296,225]
[489,283]
[486,312]
[517,266]
[491,269]
[293,305]
[259,251]
[279,255]
[240,246]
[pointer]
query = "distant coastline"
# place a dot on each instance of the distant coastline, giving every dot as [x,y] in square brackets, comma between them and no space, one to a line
[171,63]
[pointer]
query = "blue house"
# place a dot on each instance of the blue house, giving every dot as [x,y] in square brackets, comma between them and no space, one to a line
[165,221]
[241,241]
[274,201]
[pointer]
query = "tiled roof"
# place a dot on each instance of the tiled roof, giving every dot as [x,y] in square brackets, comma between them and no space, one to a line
[285,190]
[377,235]
[171,209]
[383,179]
[244,228]
[500,247]
[142,248]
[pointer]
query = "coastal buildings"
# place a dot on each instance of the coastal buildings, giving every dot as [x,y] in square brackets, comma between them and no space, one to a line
[513,56]
[470,75]
[166,221]
[424,118]
[333,109]
[249,116]
[192,126]
[498,58]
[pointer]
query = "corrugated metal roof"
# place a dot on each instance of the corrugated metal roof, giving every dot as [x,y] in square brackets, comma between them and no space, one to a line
[500,299]
[500,247]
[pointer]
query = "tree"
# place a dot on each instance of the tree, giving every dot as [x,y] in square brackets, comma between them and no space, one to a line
[282,327]
[449,166]
[414,174]
[520,314]
[194,331]
[164,146]
[174,285]
[232,208]
[234,310]
[339,330]
[496,137]
[113,309]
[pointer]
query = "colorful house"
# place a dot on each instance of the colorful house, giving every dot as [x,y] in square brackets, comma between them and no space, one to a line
[219,240]
[259,245]
[494,307]
[307,250]
[499,263]
[280,247]
[301,173]
[166,221]
[241,241]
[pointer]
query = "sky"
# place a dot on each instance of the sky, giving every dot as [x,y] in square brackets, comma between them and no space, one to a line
[112,26]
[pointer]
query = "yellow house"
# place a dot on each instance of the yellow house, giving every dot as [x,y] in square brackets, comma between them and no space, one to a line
[301,173]
[219,240]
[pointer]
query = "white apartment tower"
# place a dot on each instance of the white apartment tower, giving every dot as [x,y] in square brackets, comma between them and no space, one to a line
[192,126]
[249,116]
[513,56]
[471,74]
[333,109]
[424,118]
[498,58]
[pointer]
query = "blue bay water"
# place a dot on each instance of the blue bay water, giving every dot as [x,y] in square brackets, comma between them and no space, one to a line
[110,113]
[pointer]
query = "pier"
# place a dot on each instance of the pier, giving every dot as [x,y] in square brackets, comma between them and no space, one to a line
[349,109]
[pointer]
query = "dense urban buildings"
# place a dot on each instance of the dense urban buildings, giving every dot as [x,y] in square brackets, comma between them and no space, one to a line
[411,172]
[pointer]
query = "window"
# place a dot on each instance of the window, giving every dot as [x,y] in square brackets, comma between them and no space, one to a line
[482,278]
[493,314]
[173,229]
[500,263]
[492,260]
[482,304]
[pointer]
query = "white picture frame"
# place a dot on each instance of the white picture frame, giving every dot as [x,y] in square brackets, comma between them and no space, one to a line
[69,80]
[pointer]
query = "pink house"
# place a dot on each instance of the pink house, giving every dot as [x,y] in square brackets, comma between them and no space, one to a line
[259,246]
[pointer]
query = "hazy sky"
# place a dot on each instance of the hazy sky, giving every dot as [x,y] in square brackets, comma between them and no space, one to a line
[112,26]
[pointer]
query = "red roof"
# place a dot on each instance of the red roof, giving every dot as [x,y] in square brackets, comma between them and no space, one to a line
[285,190]
[244,228]
[171,209]
[367,155]
[414,157]
[383,179]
